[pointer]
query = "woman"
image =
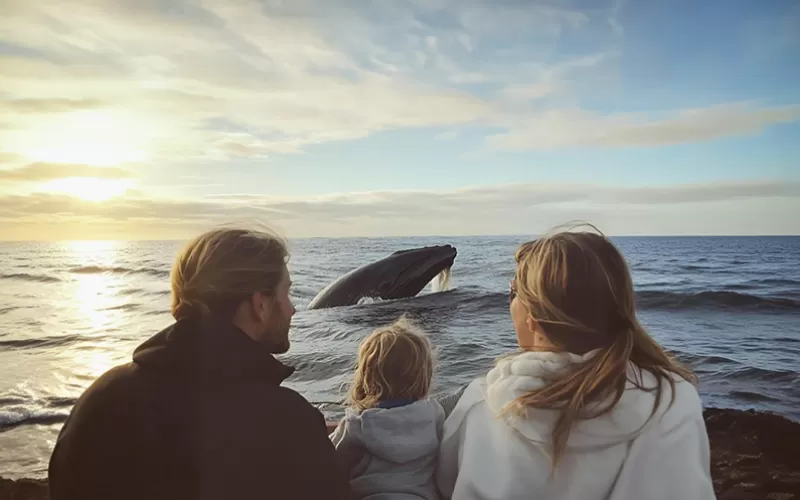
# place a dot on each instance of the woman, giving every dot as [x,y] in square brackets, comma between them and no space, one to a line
[591,407]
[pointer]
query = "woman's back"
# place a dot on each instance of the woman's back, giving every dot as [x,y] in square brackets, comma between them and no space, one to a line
[617,455]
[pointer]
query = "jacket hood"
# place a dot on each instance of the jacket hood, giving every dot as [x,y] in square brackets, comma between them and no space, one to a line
[516,375]
[209,350]
[399,434]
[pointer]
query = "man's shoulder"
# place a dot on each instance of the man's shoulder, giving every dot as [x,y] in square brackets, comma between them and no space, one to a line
[113,381]
[280,402]
[107,397]
[293,402]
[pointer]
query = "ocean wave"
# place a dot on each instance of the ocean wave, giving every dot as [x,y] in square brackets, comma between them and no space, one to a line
[696,360]
[309,368]
[156,312]
[751,396]
[752,373]
[39,342]
[777,282]
[15,417]
[143,292]
[130,306]
[662,299]
[37,278]
[161,273]
[715,299]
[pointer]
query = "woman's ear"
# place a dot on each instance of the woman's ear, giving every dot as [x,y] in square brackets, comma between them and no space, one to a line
[533,326]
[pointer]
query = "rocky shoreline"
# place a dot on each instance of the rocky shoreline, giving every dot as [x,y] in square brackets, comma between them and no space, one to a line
[753,457]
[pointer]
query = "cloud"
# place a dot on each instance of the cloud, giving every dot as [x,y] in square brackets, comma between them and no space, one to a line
[50,105]
[467,211]
[39,172]
[613,17]
[299,73]
[446,136]
[566,128]
[275,68]
[294,73]
[10,158]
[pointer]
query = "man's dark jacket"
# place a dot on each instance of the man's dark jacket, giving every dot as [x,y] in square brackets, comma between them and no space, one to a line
[198,414]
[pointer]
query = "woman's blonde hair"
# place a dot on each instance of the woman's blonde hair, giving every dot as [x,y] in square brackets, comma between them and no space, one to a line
[219,269]
[394,362]
[578,289]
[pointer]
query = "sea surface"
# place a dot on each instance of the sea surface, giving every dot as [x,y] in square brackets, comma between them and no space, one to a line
[729,306]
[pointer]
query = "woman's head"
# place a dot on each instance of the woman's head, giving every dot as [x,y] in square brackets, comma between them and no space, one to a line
[236,275]
[394,362]
[572,291]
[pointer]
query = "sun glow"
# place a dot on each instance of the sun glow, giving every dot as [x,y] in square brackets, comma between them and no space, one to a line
[86,137]
[89,188]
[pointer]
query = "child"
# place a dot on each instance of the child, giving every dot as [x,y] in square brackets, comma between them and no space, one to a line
[389,438]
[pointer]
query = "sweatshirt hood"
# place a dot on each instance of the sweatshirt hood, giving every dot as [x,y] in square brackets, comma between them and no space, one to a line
[516,375]
[399,434]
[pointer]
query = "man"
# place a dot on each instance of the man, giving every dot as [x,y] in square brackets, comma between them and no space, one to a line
[200,413]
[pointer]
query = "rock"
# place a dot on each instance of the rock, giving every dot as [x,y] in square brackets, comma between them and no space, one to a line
[781,496]
[753,457]
[24,489]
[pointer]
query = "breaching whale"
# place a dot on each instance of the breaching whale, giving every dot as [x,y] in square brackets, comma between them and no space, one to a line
[400,275]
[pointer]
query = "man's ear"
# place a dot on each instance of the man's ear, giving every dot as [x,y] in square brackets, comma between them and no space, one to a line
[260,306]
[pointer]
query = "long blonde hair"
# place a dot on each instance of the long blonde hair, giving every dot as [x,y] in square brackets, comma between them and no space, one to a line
[578,289]
[394,362]
[221,268]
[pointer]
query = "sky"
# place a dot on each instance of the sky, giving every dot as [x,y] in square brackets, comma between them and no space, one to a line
[157,119]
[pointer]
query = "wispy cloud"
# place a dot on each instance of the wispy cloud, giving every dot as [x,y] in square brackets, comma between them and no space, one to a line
[447,136]
[504,207]
[300,73]
[38,172]
[217,89]
[574,127]
[48,105]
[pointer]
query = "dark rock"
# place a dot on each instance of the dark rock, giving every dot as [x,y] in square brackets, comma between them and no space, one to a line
[24,489]
[781,496]
[752,455]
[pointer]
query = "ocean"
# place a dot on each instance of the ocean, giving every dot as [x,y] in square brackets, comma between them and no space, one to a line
[728,306]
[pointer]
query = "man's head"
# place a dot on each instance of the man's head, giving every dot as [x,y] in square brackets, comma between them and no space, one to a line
[240,276]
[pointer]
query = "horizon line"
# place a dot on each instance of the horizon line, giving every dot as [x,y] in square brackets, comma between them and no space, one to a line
[502,235]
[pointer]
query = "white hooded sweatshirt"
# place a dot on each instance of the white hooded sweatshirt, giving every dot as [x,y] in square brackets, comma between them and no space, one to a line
[616,456]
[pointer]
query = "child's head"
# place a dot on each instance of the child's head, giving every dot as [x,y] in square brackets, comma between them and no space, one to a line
[394,362]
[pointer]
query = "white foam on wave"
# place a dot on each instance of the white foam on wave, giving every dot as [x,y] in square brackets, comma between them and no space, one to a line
[369,300]
[442,282]
[13,416]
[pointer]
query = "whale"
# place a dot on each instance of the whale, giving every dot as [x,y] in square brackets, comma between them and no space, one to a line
[403,274]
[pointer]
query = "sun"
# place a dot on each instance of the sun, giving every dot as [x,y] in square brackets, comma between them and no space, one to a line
[89,188]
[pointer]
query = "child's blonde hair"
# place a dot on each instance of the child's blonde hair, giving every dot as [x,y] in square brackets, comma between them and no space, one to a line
[394,362]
